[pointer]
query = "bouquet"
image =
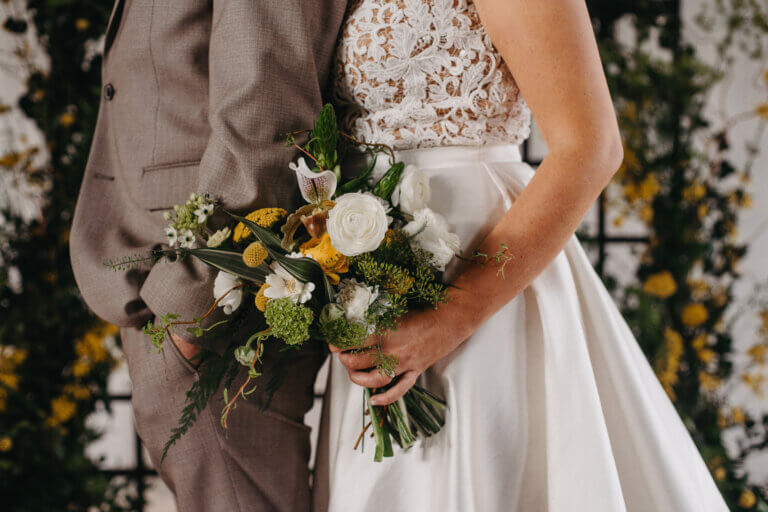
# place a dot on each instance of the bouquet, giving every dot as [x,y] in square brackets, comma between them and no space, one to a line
[342,268]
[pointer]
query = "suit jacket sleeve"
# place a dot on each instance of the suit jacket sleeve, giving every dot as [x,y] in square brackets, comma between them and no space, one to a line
[268,61]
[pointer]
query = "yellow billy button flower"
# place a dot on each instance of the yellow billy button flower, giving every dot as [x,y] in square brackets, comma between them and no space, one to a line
[5,444]
[694,314]
[261,300]
[747,499]
[720,474]
[332,261]
[661,285]
[264,217]
[254,255]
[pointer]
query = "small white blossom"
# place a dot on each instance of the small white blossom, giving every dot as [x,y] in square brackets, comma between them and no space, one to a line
[172,235]
[203,212]
[224,283]
[186,239]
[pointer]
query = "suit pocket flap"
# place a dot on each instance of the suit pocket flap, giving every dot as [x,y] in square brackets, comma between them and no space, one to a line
[165,185]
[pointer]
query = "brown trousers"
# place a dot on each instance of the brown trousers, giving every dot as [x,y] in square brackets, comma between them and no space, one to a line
[259,463]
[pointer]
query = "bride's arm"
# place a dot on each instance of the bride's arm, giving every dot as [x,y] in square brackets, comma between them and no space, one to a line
[550,48]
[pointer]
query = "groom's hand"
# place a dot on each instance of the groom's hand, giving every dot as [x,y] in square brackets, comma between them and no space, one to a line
[421,339]
[187,350]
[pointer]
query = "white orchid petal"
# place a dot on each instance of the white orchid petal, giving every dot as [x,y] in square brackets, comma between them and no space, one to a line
[315,187]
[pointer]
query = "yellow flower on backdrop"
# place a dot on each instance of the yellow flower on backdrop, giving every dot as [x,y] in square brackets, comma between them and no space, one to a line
[661,284]
[738,416]
[5,444]
[261,300]
[758,353]
[747,499]
[694,314]
[62,410]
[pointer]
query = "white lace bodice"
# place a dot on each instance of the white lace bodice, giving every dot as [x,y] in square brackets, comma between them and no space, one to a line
[424,73]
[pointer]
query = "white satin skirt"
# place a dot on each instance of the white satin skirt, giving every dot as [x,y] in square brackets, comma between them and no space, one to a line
[552,404]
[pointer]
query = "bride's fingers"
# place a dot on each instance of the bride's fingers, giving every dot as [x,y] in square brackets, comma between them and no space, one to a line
[370,379]
[358,361]
[406,382]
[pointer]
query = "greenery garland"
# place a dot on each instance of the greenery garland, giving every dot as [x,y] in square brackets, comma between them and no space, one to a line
[677,178]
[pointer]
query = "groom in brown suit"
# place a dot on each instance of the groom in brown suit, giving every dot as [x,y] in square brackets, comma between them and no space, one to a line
[195,95]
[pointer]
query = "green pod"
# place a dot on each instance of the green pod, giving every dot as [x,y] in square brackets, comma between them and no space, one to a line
[389,181]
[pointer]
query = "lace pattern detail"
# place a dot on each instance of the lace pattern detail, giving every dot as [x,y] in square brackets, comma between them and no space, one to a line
[424,73]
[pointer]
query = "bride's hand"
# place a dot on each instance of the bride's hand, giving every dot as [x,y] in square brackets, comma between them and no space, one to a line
[421,339]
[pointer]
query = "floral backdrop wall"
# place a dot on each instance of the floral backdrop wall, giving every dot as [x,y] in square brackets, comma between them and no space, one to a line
[678,180]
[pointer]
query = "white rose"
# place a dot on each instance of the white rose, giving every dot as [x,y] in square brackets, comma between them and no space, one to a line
[357,224]
[430,232]
[412,193]
[223,283]
[355,298]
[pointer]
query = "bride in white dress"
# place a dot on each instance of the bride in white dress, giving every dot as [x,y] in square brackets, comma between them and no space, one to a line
[552,405]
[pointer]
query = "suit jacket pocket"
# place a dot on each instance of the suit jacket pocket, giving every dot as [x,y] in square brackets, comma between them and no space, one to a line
[165,185]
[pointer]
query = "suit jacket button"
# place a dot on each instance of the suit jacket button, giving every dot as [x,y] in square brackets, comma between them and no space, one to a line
[109,91]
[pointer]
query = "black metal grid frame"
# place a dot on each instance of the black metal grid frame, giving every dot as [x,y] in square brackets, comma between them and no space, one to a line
[601,240]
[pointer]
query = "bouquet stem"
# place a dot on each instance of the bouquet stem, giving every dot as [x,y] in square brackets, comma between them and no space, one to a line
[417,411]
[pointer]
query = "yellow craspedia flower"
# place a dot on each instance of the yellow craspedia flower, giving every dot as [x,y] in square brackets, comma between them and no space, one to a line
[264,217]
[757,353]
[67,119]
[5,444]
[747,499]
[62,410]
[720,474]
[661,284]
[737,415]
[321,250]
[261,300]
[762,110]
[707,355]
[255,254]
[694,314]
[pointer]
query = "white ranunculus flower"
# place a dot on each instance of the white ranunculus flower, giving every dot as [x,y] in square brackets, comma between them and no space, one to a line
[223,283]
[357,224]
[412,193]
[282,284]
[355,298]
[430,232]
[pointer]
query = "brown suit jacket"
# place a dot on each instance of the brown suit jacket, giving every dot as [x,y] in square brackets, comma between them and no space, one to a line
[195,95]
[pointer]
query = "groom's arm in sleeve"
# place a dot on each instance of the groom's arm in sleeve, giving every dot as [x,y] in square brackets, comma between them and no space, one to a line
[265,78]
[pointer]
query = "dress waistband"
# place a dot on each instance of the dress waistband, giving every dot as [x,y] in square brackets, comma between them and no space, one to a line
[460,155]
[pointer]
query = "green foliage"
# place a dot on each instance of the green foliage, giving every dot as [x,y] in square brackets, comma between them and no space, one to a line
[334,328]
[288,321]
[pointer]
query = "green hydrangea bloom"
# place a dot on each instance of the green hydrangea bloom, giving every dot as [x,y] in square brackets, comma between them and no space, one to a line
[288,321]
